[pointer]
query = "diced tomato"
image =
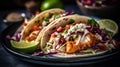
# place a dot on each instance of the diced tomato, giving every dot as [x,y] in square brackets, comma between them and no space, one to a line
[67,27]
[53,35]
[37,12]
[103,47]
[24,24]
[87,2]
[36,28]
[59,29]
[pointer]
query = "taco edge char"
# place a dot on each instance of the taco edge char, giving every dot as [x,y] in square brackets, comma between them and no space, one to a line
[72,36]
[38,24]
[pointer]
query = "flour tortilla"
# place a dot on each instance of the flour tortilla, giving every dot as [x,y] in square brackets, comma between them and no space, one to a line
[61,22]
[38,20]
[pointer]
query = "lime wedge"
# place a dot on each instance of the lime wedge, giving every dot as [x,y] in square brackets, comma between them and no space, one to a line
[23,46]
[109,25]
[48,4]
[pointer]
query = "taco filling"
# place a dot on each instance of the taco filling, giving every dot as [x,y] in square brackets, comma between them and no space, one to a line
[80,38]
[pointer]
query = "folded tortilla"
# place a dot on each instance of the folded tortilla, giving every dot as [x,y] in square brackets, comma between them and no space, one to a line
[38,20]
[61,22]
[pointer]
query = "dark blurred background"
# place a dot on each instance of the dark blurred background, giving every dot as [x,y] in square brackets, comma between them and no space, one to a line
[19,4]
[37,5]
[27,7]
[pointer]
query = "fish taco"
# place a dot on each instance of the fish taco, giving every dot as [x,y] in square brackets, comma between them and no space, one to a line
[33,30]
[76,36]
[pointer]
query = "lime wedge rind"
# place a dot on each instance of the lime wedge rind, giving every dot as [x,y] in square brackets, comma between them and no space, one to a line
[23,46]
[109,25]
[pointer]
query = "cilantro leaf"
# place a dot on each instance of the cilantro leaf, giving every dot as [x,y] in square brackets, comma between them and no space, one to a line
[93,23]
[71,21]
[46,20]
[56,16]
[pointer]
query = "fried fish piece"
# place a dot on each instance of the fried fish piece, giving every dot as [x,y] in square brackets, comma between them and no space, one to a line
[87,42]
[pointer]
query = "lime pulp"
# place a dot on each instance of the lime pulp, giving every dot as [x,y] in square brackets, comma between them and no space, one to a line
[109,25]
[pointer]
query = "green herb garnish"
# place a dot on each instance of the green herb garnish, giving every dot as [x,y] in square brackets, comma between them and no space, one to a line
[65,32]
[59,35]
[93,23]
[71,21]
[56,16]
[46,20]
[47,47]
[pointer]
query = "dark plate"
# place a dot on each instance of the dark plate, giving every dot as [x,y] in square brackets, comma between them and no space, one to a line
[50,60]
